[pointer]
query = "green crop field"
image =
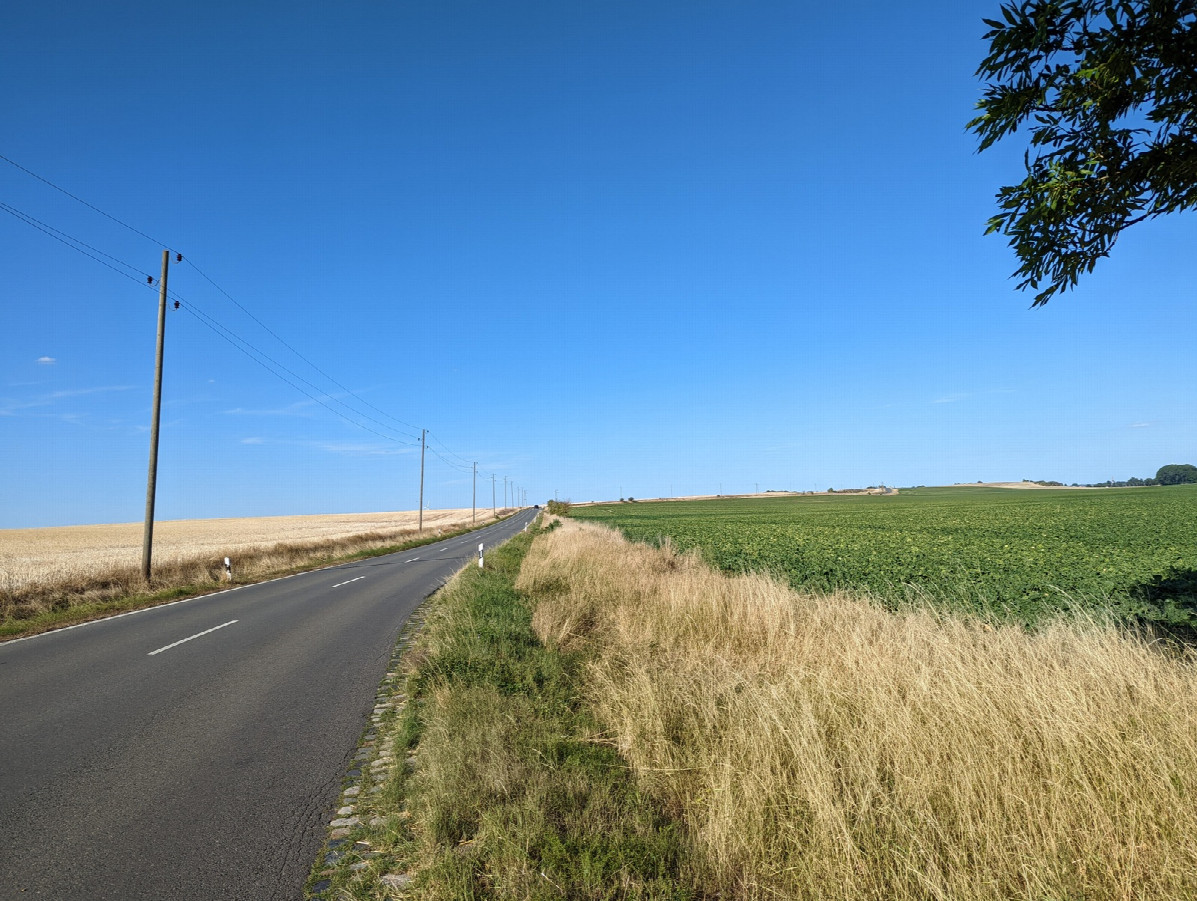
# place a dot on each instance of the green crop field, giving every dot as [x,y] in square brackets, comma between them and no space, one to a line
[1006,553]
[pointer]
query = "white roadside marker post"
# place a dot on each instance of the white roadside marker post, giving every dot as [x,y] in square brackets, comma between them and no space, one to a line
[480,557]
[228,570]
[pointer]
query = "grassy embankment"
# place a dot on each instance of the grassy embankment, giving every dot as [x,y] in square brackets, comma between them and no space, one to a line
[511,791]
[818,746]
[32,605]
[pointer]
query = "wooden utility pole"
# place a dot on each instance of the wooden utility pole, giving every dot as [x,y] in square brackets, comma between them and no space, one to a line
[474,502]
[147,541]
[423,433]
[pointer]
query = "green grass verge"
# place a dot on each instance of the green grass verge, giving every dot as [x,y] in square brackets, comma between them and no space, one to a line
[511,793]
[74,614]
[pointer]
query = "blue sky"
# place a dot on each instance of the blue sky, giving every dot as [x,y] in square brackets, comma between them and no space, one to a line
[600,248]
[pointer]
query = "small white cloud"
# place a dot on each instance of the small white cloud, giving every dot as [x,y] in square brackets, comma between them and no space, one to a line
[1140,425]
[46,361]
[360,450]
[253,440]
[79,392]
[299,408]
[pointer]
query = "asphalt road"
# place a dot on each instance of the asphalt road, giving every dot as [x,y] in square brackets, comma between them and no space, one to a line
[196,751]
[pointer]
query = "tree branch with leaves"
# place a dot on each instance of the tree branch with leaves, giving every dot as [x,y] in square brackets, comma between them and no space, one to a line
[1108,90]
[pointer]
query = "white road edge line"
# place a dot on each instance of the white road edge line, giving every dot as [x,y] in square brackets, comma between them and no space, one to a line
[189,637]
[140,610]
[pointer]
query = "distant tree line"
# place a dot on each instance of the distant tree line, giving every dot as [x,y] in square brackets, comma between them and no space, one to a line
[1172,474]
[1177,474]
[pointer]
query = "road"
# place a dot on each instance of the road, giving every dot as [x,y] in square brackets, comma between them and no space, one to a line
[196,751]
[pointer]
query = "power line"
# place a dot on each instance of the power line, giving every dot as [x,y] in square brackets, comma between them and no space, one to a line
[464,461]
[65,238]
[281,341]
[206,319]
[259,356]
[76,244]
[210,322]
[192,307]
[84,202]
[449,462]
[463,466]
[204,275]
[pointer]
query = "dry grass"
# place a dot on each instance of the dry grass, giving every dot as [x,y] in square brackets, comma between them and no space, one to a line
[504,794]
[819,747]
[72,566]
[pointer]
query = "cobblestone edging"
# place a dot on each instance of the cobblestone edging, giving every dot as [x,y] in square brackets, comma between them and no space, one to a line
[360,852]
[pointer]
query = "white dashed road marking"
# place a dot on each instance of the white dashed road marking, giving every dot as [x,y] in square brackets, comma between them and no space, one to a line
[189,637]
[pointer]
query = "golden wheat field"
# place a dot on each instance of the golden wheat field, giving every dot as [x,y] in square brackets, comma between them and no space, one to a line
[73,553]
